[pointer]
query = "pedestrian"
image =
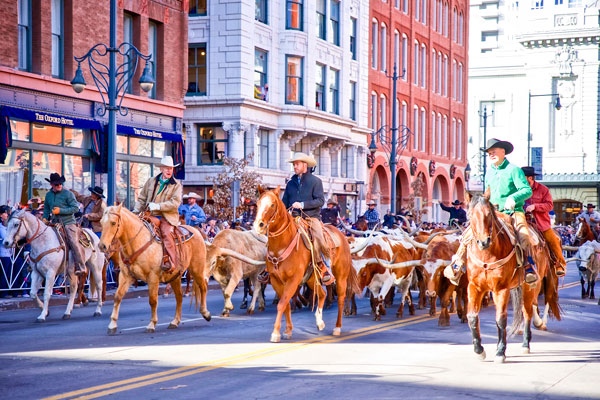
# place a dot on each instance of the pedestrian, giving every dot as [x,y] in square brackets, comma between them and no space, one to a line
[5,253]
[249,215]
[389,219]
[371,215]
[456,213]
[329,214]
[194,214]
[93,209]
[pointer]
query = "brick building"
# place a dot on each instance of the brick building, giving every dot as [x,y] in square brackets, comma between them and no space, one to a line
[427,39]
[52,127]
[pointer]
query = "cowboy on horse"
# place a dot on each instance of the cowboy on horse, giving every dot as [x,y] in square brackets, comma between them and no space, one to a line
[63,205]
[161,195]
[304,195]
[508,191]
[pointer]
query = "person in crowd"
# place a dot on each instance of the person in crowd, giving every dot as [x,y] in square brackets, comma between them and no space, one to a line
[456,212]
[93,209]
[330,214]
[194,214]
[161,195]
[5,253]
[249,215]
[371,215]
[591,216]
[63,204]
[539,205]
[389,219]
[183,208]
[211,229]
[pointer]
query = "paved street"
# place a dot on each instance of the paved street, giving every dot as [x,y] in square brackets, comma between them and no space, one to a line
[232,358]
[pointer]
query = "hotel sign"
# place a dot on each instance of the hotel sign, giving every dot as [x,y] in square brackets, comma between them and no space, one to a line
[52,119]
[565,20]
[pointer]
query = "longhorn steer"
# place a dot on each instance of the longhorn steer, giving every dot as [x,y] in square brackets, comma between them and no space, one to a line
[588,261]
[228,270]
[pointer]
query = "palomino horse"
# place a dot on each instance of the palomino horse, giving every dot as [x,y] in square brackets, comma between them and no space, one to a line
[47,257]
[288,259]
[142,259]
[584,233]
[492,265]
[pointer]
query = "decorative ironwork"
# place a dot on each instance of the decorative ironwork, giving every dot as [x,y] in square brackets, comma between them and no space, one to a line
[413,165]
[452,171]
[431,168]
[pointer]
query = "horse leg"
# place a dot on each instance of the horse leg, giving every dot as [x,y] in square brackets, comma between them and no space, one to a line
[177,291]
[36,283]
[125,280]
[235,278]
[321,293]
[283,305]
[583,293]
[501,300]
[592,283]
[528,299]
[246,292]
[98,272]
[341,291]
[73,286]
[255,295]
[50,276]
[153,301]
[475,296]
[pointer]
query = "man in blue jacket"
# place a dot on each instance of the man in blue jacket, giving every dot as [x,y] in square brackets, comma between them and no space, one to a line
[456,213]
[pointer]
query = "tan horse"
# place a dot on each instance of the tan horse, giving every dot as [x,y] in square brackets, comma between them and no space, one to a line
[584,233]
[288,259]
[145,258]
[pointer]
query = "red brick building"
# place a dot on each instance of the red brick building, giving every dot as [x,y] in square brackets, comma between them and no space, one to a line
[52,127]
[427,39]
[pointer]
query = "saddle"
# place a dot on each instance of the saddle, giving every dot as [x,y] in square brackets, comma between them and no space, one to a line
[180,233]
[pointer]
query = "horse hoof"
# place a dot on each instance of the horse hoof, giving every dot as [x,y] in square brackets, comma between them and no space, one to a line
[97,314]
[206,316]
[40,320]
[111,331]
[321,325]
[287,336]
[481,356]
[225,314]
[250,311]
[275,338]
[500,359]
[86,303]
[337,331]
[149,330]
[172,326]
[261,309]
[525,350]
[66,316]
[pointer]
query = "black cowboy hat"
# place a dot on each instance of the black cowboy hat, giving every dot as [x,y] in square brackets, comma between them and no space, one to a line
[590,205]
[456,203]
[528,171]
[502,144]
[97,190]
[56,179]
[332,201]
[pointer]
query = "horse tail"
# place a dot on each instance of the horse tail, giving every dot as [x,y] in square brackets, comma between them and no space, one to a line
[551,295]
[352,283]
[516,295]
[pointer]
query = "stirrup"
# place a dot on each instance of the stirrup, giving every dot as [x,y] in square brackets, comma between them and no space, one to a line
[560,271]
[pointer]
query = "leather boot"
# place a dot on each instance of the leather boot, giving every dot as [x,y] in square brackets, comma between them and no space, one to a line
[170,259]
[560,270]
[531,276]
[327,277]
[454,272]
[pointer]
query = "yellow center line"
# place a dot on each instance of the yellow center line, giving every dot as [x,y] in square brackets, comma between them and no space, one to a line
[176,373]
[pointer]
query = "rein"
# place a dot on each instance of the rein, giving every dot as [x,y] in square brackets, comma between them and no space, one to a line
[288,250]
[498,263]
[130,260]
[36,235]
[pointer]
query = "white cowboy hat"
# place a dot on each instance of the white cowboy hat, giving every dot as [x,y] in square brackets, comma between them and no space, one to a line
[193,195]
[372,203]
[305,158]
[167,161]
[186,196]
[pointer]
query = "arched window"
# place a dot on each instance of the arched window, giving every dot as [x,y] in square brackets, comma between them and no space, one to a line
[455,25]
[383,48]
[397,52]
[374,111]
[423,128]
[423,66]
[440,17]
[404,113]
[445,75]
[459,145]
[440,73]
[374,37]
[438,140]
[424,12]
[445,136]
[433,70]
[405,57]
[434,15]
[416,128]
[446,19]
[418,10]
[383,111]
[453,138]
[454,80]
[416,64]
[460,28]
[433,133]
[460,82]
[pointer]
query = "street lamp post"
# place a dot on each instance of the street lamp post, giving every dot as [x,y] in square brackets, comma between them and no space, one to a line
[391,147]
[557,105]
[113,80]
[484,115]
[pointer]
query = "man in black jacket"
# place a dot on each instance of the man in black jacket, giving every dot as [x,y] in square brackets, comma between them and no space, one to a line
[304,194]
[456,213]
[329,215]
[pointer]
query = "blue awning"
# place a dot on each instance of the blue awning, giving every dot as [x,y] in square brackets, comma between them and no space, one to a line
[149,133]
[44,117]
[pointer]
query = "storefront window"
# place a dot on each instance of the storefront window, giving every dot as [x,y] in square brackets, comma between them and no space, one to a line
[160,148]
[14,177]
[43,165]
[76,138]
[47,134]
[77,173]
[140,147]
[212,145]
[121,172]
[121,144]
[20,130]
[138,175]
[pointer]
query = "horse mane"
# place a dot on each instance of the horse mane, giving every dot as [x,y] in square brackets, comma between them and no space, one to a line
[484,202]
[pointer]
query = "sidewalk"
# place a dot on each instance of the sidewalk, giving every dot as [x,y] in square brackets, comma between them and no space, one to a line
[17,303]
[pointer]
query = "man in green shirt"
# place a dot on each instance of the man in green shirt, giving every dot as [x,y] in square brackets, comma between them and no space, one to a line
[63,205]
[508,191]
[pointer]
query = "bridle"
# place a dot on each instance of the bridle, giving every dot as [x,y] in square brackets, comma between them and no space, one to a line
[129,260]
[270,220]
[37,233]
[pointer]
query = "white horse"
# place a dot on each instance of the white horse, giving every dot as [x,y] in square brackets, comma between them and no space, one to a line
[47,257]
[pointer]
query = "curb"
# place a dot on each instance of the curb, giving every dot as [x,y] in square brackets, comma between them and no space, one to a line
[21,303]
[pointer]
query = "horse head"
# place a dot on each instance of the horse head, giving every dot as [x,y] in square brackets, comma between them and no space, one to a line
[17,227]
[267,207]
[482,216]
[111,226]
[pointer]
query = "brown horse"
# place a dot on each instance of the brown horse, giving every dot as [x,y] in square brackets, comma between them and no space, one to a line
[142,259]
[584,232]
[288,259]
[492,265]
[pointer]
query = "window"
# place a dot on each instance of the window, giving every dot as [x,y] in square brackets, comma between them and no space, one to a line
[24,35]
[383,48]
[439,134]
[494,111]
[374,111]
[455,25]
[453,154]
[434,16]
[460,82]
[197,70]
[333,103]
[418,10]
[57,38]
[445,75]
[294,15]
[404,113]
[352,101]
[446,19]
[459,140]
[397,52]
[261,86]
[334,21]
[320,87]
[404,57]
[321,27]
[260,11]
[128,38]
[374,35]
[152,48]
[197,7]
[440,17]
[433,133]
[263,148]
[382,111]
[537,4]
[353,37]
[212,145]
[416,128]
[454,80]
[460,28]
[445,136]
[293,79]
[416,64]
[424,12]
[434,70]
[397,4]
[423,66]
[405,6]
[423,129]
[345,164]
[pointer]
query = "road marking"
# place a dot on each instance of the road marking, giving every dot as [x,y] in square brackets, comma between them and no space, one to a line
[176,373]
[161,324]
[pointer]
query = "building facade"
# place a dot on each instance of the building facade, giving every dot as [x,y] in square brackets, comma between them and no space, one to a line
[52,128]
[534,68]
[427,42]
[273,77]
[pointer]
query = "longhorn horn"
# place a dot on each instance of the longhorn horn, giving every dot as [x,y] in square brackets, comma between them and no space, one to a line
[241,257]
[418,228]
[393,265]
[355,231]
[413,241]
[574,259]
[570,248]
[430,238]
[363,245]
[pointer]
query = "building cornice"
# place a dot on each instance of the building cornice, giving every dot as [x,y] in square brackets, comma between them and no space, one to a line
[554,39]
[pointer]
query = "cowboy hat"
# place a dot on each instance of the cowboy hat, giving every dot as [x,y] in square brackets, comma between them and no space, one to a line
[167,161]
[304,158]
[186,196]
[590,205]
[497,143]
[528,171]
[56,179]
[372,203]
[456,203]
[193,195]
[332,201]
[97,190]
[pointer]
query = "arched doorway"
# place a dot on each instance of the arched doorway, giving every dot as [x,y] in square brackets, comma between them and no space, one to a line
[402,189]
[439,194]
[380,187]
